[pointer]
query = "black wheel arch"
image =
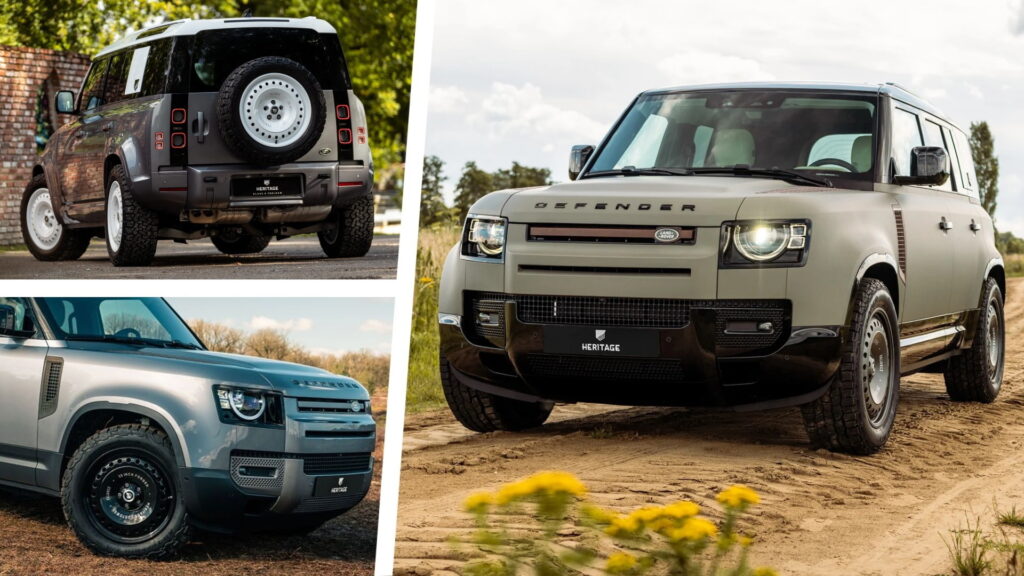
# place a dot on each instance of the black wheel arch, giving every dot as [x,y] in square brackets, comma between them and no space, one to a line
[883,267]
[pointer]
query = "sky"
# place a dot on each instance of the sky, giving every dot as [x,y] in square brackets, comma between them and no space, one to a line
[321,325]
[524,81]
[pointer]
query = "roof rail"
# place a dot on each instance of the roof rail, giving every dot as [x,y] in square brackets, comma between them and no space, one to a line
[901,87]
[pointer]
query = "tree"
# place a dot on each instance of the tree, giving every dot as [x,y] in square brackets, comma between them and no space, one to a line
[268,343]
[520,176]
[432,206]
[986,165]
[473,185]
[218,337]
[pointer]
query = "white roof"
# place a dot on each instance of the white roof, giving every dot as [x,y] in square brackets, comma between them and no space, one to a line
[192,27]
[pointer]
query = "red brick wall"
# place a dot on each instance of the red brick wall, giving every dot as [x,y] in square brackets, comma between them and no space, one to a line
[22,72]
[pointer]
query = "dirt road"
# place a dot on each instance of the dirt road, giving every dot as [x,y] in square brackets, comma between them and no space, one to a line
[821,513]
[299,257]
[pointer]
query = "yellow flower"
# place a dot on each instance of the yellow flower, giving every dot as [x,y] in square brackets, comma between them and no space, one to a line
[693,530]
[623,525]
[599,515]
[550,483]
[620,562]
[426,280]
[764,572]
[738,496]
[478,502]
[682,509]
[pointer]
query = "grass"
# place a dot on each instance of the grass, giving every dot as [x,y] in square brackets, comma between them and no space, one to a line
[968,550]
[14,248]
[424,391]
[1011,518]
[1014,264]
[995,552]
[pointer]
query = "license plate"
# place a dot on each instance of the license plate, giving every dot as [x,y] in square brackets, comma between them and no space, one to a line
[582,340]
[266,186]
[328,486]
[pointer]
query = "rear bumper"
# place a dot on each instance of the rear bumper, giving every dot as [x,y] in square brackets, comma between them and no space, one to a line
[710,355]
[208,188]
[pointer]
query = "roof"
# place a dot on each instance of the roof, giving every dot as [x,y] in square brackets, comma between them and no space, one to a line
[889,88]
[192,27]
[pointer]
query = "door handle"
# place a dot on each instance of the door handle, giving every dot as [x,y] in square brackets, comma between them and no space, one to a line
[945,225]
[200,127]
[975,227]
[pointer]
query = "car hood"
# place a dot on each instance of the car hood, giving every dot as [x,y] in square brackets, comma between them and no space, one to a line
[638,200]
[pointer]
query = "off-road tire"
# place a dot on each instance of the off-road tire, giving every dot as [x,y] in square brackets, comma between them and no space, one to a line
[970,377]
[352,234]
[74,488]
[240,243]
[230,121]
[839,419]
[72,243]
[139,226]
[483,412]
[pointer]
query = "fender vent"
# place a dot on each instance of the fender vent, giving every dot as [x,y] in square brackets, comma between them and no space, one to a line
[901,238]
[49,391]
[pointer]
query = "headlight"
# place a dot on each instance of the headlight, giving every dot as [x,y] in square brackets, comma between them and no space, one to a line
[484,237]
[764,243]
[246,406]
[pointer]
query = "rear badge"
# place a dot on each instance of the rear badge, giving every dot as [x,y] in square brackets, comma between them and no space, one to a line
[325,151]
[666,234]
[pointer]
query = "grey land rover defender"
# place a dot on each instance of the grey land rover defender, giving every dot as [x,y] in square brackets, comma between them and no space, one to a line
[240,130]
[745,245]
[116,407]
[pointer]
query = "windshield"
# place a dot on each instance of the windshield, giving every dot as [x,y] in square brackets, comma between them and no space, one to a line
[145,320]
[824,135]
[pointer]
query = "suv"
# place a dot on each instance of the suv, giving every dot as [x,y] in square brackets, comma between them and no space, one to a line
[238,130]
[115,406]
[745,245]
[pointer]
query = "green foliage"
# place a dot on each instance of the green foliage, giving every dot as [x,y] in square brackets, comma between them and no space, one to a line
[1007,243]
[476,183]
[520,176]
[432,207]
[986,165]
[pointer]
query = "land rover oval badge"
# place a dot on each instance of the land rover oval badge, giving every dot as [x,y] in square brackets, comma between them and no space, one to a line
[666,234]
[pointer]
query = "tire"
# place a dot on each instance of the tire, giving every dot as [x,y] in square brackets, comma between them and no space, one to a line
[136,464]
[230,242]
[483,412]
[44,234]
[857,412]
[976,375]
[131,231]
[352,232]
[293,114]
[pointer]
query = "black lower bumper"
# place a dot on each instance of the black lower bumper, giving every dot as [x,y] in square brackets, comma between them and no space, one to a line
[715,356]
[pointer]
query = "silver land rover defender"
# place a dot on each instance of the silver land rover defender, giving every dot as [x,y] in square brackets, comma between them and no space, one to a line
[239,130]
[114,405]
[746,245]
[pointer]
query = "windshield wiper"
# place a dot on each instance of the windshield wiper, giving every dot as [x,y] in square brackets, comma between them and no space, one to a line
[777,173]
[179,344]
[634,171]
[132,341]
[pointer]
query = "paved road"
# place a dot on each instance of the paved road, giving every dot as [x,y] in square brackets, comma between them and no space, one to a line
[294,258]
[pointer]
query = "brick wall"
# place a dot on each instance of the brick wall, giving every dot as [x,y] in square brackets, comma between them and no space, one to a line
[22,72]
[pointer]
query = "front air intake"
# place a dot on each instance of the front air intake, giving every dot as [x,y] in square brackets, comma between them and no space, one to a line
[49,391]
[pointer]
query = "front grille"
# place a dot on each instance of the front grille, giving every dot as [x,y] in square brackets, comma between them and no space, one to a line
[611,234]
[633,370]
[316,464]
[598,311]
[755,311]
[271,472]
[329,406]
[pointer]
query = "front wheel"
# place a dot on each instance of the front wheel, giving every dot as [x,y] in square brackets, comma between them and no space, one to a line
[44,234]
[857,412]
[976,375]
[349,232]
[122,496]
[483,412]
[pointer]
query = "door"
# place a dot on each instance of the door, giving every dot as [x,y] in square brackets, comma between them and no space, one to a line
[973,225]
[82,153]
[21,368]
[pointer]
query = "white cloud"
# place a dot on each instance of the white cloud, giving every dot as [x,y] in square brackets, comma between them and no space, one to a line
[701,67]
[522,110]
[447,99]
[290,325]
[375,326]
[1017,17]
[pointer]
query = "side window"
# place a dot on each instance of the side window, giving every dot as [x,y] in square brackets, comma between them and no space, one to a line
[117,77]
[906,135]
[17,320]
[968,177]
[92,88]
[933,137]
[117,315]
[158,60]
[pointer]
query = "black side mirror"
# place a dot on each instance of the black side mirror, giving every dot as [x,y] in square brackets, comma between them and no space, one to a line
[578,159]
[9,324]
[929,166]
[65,102]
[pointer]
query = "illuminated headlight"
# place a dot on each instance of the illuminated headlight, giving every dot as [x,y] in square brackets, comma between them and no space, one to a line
[764,243]
[484,237]
[245,406]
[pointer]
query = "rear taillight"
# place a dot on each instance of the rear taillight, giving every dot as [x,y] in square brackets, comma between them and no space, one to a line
[362,134]
[158,140]
[179,137]
[178,140]
[344,136]
[343,112]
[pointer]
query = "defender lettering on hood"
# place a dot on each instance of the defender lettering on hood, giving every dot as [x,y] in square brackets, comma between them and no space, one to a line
[618,206]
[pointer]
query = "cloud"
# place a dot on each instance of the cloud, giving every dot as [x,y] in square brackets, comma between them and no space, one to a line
[290,325]
[523,110]
[375,326]
[701,67]
[1017,17]
[447,99]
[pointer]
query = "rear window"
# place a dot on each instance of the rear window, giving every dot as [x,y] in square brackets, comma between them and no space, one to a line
[215,54]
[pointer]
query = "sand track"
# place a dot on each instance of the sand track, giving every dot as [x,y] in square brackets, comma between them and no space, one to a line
[822,513]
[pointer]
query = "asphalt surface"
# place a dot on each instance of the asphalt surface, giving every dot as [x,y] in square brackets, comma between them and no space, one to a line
[293,258]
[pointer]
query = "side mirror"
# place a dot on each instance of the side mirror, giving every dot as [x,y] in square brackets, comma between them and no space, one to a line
[9,324]
[929,166]
[578,159]
[65,102]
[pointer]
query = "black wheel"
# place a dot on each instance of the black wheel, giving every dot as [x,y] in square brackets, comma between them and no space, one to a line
[45,235]
[231,242]
[271,110]
[856,414]
[120,494]
[131,229]
[350,230]
[483,412]
[976,375]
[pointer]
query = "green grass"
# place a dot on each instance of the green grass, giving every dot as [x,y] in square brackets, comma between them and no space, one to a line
[1011,518]
[1014,264]
[424,391]
[968,550]
[13,248]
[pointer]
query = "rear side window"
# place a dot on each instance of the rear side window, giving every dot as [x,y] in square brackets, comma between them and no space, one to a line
[158,60]
[968,178]
[92,88]
[216,54]
[906,135]
[117,78]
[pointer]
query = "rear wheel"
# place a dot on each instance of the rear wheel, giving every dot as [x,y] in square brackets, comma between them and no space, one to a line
[350,230]
[976,375]
[483,412]
[857,412]
[44,234]
[231,242]
[131,229]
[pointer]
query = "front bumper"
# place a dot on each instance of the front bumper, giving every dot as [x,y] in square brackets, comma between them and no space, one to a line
[707,352]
